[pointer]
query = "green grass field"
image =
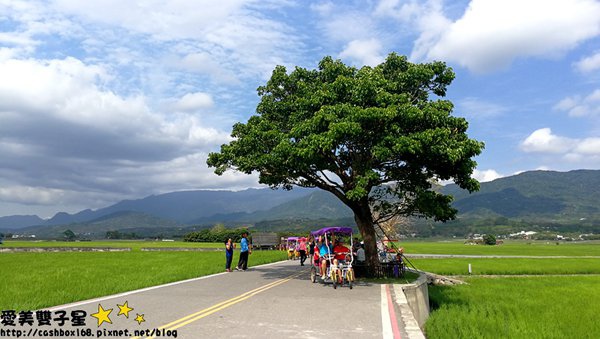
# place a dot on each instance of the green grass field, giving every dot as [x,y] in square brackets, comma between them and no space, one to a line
[504,266]
[560,300]
[541,307]
[36,280]
[510,247]
[133,244]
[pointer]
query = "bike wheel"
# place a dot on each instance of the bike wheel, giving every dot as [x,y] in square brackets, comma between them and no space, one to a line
[313,274]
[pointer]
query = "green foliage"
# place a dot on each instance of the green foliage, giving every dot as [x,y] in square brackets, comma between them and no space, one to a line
[121,235]
[69,235]
[369,127]
[489,239]
[216,234]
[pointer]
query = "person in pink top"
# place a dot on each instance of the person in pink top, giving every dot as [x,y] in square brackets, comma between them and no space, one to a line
[302,250]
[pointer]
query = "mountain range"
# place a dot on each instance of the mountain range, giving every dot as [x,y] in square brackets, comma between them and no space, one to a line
[562,197]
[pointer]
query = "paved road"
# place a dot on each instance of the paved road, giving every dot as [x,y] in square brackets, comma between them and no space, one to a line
[270,301]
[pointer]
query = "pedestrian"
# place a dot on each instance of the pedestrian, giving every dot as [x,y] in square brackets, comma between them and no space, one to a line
[311,247]
[360,254]
[229,246]
[302,249]
[244,252]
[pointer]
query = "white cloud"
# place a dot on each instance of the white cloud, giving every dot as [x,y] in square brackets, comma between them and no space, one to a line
[583,151]
[578,106]
[400,10]
[543,141]
[588,64]
[486,175]
[349,25]
[588,146]
[365,52]
[431,23]
[194,101]
[164,20]
[491,34]
[76,137]
[30,195]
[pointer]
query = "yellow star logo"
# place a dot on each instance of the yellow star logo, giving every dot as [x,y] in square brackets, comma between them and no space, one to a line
[140,318]
[102,315]
[124,309]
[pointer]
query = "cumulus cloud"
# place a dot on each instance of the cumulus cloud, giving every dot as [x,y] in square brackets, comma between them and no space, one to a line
[543,141]
[588,64]
[365,52]
[62,134]
[491,34]
[574,150]
[486,175]
[194,101]
[578,106]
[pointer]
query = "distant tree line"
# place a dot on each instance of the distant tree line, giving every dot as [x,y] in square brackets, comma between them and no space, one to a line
[217,233]
[122,235]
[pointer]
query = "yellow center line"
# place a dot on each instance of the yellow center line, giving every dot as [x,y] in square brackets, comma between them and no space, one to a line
[224,304]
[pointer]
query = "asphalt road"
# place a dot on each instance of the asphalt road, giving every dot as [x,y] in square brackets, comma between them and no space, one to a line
[270,301]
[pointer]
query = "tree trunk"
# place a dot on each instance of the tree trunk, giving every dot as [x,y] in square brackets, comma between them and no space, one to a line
[364,221]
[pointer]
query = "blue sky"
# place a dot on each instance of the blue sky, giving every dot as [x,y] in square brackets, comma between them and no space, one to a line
[102,101]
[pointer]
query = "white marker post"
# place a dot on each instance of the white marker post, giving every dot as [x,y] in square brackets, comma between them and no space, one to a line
[469,269]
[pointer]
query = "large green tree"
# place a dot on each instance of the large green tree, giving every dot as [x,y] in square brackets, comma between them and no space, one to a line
[372,136]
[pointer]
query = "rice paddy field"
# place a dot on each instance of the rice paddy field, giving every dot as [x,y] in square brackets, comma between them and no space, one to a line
[133,244]
[549,291]
[35,280]
[541,297]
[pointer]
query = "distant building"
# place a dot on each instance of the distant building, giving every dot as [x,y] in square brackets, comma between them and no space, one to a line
[522,235]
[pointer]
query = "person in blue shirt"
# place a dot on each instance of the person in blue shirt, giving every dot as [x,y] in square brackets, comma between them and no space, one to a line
[244,251]
[324,249]
[229,246]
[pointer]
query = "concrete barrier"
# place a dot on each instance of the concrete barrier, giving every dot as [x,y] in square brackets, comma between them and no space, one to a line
[417,295]
[413,300]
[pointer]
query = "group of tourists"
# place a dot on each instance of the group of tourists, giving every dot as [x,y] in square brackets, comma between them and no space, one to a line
[315,248]
[245,250]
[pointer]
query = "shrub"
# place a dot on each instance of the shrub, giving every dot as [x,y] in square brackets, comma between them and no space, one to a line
[489,239]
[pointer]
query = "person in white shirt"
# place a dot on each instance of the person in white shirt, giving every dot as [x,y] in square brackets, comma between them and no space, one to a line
[360,254]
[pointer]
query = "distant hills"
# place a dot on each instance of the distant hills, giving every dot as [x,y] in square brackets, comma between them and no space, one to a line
[534,193]
[530,199]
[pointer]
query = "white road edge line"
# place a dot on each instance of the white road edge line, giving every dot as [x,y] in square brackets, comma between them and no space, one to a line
[386,323]
[124,294]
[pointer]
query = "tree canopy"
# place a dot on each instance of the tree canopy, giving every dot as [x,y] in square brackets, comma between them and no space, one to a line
[371,136]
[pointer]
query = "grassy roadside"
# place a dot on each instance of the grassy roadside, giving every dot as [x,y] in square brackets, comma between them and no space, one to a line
[36,280]
[557,306]
[544,307]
